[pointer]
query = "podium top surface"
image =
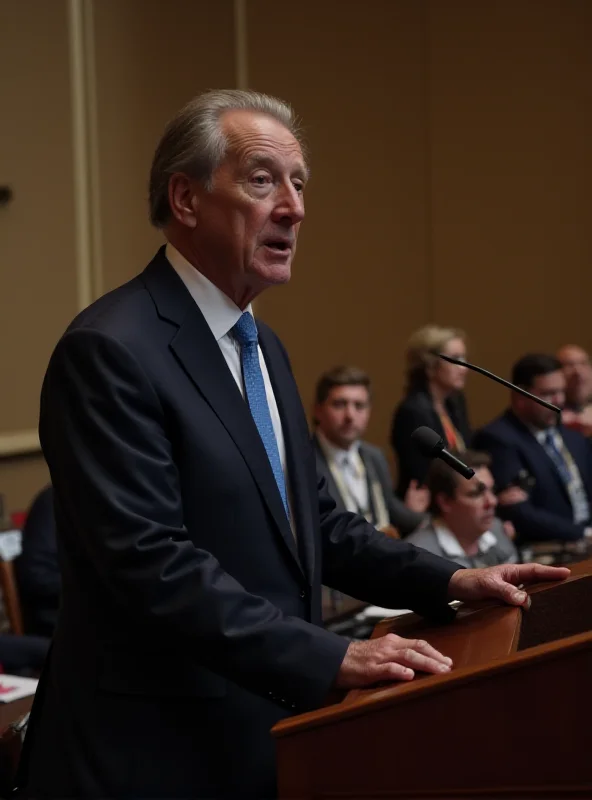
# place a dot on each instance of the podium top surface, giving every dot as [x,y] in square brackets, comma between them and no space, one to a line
[484,638]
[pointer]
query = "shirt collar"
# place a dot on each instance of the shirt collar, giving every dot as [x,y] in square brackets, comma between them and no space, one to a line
[219,311]
[451,546]
[334,453]
[542,435]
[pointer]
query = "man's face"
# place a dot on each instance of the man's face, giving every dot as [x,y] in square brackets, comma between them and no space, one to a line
[343,417]
[247,225]
[578,373]
[550,387]
[472,509]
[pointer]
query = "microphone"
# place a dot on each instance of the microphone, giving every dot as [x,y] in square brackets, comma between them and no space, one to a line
[493,377]
[432,446]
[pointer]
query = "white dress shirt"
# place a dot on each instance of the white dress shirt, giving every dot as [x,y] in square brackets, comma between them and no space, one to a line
[351,470]
[453,549]
[222,314]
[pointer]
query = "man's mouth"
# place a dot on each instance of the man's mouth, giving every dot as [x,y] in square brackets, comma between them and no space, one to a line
[279,245]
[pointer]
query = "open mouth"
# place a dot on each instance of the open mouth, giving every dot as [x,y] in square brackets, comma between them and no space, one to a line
[278,245]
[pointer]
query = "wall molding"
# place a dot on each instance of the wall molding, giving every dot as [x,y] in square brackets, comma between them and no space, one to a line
[19,443]
[241,56]
[85,151]
[85,155]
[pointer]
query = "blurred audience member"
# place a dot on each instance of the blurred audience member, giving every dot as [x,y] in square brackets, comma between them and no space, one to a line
[464,527]
[528,440]
[577,369]
[22,655]
[357,472]
[433,397]
[37,569]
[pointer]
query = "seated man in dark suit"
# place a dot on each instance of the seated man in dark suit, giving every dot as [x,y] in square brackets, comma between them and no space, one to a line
[37,569]
[527,438]
[464,527]
[22,655]
[357,472]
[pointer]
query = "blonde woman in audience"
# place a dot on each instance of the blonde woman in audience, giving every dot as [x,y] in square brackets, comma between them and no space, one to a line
[433,397]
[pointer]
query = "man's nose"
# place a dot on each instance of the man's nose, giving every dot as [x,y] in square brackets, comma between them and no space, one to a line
[289,205]
[490,499]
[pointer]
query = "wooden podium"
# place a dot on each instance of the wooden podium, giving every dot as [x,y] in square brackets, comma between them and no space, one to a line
[513,719]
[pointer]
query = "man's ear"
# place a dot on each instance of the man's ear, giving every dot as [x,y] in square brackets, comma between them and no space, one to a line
[443,502]
[183,199]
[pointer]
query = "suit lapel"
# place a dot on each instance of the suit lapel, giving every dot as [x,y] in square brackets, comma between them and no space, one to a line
[535,448]
[197,351]
[288,400]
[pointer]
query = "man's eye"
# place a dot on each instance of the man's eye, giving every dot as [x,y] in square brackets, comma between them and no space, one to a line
[299,186]
[260,180]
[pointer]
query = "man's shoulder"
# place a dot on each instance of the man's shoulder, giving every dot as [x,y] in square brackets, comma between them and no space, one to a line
[318,450]
[425,537]
[504,544]
[126,313]
[504,427]
[109,311]
[576,437]
[373,452]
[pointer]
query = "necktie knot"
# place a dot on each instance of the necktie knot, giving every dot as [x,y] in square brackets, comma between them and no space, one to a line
[245,330]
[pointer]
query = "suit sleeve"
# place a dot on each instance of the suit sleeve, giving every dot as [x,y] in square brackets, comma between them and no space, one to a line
[366,564]
[103,433]
[531,522]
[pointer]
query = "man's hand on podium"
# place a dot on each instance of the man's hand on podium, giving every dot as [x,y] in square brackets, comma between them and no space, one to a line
[390,658]
[502,582]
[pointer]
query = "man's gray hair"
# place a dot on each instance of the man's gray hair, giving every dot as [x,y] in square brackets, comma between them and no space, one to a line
[193,141]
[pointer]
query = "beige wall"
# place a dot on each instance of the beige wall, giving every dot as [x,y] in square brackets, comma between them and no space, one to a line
[510,128]
[37,251]
[451,173]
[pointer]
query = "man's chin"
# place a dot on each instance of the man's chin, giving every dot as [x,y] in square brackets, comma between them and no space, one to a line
[272,274]
[346,441]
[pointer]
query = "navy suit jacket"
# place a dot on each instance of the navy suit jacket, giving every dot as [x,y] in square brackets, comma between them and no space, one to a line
[548,514]
[190,620]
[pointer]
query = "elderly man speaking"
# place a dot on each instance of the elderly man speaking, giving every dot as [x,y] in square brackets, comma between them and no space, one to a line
[194,535]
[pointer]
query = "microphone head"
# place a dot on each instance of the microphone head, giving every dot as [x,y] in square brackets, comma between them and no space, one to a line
[428,441]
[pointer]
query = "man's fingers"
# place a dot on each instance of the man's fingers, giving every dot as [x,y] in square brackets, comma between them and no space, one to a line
[391,671]
[530,573]
[397,644]
[426,648]
[417,661]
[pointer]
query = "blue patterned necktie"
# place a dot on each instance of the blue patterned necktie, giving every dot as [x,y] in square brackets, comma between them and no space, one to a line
[557,458]
[577,493]
[245,332]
